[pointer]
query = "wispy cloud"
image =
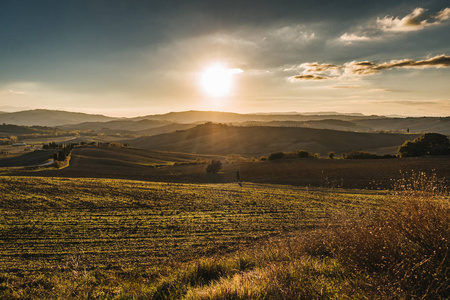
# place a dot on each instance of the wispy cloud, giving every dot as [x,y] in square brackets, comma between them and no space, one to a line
[417,20]
[308,77]
[353,37]
[318,71]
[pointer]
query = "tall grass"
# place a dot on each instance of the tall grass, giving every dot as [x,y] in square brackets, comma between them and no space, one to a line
[406,245]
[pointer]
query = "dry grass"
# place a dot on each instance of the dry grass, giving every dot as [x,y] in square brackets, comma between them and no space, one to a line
[407,245]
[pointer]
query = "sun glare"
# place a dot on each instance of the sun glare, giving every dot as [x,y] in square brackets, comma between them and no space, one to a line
[217,80]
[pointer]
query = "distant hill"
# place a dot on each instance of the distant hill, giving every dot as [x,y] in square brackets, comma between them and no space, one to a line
[227,117]
[415,125]
[402,125]
[124,124]
[164,123]
[140,127]
[258,140]
[43,117]
[8,129]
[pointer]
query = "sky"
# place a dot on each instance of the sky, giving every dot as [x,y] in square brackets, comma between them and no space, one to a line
[131,58]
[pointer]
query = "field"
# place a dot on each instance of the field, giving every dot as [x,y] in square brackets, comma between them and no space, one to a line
[119,223]
[135,164]
[124,223]
[112,225]
[65,238]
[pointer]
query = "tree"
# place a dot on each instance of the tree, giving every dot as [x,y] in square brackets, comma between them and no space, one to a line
[426,144]
[276,155]
[214,166]
[331,155]
[304,154]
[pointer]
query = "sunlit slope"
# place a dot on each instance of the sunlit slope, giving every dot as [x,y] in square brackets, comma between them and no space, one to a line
[220,139]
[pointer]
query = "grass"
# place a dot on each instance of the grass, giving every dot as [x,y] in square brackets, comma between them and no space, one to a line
[119,239]
[116,223]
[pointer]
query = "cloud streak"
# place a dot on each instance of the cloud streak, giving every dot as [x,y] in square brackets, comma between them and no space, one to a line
[415,21]
[317,71]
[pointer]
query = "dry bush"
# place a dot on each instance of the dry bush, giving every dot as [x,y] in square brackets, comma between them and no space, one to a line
[406,245]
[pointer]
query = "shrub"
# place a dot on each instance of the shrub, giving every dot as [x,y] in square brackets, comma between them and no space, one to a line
[276,155]
[214,166]
[304,154]
[331,155]
[407,244]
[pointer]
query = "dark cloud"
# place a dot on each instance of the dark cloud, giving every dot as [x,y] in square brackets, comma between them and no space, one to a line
[308,77]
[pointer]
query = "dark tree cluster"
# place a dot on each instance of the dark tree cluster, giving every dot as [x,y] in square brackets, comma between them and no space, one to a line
[426,144]
[214,166]
[276,155]
[364,155]
[61,155]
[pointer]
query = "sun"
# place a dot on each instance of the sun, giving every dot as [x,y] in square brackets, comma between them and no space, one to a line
[217,80]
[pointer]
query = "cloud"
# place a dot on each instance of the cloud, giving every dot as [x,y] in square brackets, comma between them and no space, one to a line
[439,102]
[346,87]
[414,21]
[15,92]
[307,77]
[353,37]
[317,71]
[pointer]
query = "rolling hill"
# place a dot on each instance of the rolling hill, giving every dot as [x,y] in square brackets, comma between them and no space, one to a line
[43,117]
[228,117]
[259,140]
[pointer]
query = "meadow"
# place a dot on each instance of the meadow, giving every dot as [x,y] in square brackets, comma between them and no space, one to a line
[104,225]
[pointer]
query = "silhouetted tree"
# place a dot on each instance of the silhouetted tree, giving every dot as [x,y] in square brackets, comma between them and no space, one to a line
[276,155]
[331,155]
[426,144]
[214,166]
[304,154]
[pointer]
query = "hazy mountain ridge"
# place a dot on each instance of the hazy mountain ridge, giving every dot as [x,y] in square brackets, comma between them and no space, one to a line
[164,123]
[43,117]
[228,117]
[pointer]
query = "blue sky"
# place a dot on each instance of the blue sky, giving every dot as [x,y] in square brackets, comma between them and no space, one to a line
[129,58]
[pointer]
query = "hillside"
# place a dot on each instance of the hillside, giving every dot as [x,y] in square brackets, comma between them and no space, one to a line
[8,129]
[43,117]
[227,117]
[123,124]
[415,125]
[140,127]
[220,139]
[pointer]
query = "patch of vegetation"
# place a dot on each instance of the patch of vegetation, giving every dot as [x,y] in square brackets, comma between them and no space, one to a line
[276,155]
[304,154]
[364,155]
[426,144]
[9,140]
[214,166]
